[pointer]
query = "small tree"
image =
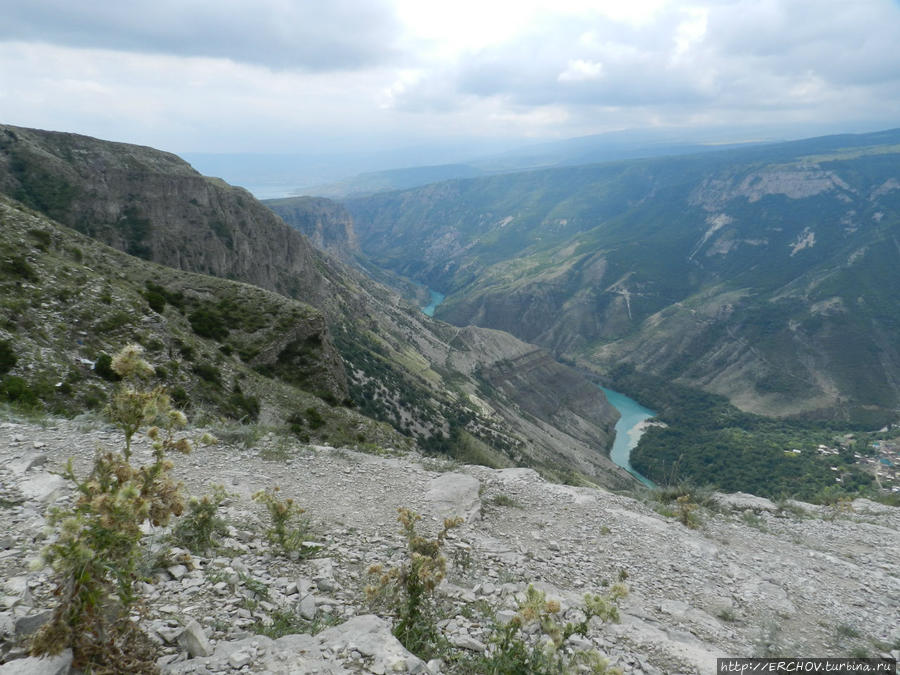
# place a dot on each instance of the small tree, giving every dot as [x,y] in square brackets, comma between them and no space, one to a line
[96,550]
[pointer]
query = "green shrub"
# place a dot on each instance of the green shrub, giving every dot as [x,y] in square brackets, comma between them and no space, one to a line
[408,590]
[18,267]
[208,372]
[245,408]
[113,322]
[156,300]
[196,529]
[176,298]
[180,397]
[315,419]
[16,390]
[8,358]
[103,368]
[207,322]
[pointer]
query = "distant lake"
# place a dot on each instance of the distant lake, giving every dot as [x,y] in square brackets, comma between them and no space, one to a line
[271,191]
[628,430]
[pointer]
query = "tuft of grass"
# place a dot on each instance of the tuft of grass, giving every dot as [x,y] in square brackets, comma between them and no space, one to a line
[289,622]
[846,631]
[243,435]
[505,500]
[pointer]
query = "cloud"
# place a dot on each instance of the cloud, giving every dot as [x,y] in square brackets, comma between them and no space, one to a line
[720,54]
[314,36]
[580,70]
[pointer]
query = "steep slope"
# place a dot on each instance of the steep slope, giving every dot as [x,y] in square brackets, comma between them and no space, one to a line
[399,362]
[766,274]
[224,349]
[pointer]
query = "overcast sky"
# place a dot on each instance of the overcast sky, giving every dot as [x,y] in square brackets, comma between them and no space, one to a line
[316,76]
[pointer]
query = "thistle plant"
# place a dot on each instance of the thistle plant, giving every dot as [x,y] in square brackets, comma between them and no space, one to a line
[511,654]
[201,523]
[96,551]
[408,590]
[288,528]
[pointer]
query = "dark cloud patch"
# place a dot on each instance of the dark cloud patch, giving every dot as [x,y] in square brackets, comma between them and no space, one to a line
[298,34]
[844,43]
[727,54]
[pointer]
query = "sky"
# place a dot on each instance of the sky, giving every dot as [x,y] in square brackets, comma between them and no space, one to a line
[344,76]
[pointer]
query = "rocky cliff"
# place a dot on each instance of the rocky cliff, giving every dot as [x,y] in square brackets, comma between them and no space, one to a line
[67,301]
[327,224]
[153,205]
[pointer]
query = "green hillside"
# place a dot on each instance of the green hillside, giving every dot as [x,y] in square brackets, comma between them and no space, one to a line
[766,274]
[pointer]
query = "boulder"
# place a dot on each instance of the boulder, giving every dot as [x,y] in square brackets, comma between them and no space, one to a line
[455,494]
[371,636]
[43,487]
[45,665]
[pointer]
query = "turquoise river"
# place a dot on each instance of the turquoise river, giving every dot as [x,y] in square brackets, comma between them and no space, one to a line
[629,428]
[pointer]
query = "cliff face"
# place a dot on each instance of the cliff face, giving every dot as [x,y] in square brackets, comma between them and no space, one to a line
[327,224]
[153,205]
[542,395]
[400,363]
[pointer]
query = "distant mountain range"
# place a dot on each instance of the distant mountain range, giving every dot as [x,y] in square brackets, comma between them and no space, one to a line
[272,176]
[768,274]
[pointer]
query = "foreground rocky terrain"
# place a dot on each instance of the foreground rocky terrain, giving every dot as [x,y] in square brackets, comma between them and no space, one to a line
[755,578]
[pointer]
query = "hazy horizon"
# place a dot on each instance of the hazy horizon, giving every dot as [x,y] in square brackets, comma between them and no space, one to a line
[381,77]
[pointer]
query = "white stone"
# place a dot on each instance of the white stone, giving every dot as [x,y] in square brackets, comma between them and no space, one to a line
[240,659]
[194,640]
[49,665]
[43,487]
[455,494]
[308,607]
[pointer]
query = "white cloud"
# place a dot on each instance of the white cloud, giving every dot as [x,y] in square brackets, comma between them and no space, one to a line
[579,70]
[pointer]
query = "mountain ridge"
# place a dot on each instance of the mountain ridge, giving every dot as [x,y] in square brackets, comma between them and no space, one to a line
[621,261]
